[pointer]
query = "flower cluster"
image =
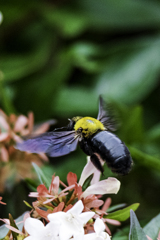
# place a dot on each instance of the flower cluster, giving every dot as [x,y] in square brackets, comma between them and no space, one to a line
[66,225]
[74,212]
[59,202]
[12,129]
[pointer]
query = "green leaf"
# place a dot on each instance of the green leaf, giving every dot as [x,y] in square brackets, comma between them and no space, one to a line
[27,204]
[120,238]
[121,234]
[68,101]
[153,227]
[20,219]
[144,159]
[16,67]
[45,86]
[12,223]
[87,183]
[6,98]
[136,232]
[41,176]
[112,16]
[86,55]
[132,122]
[32,184]
[115,207]
[4,230]
[131,73]
[68,22]
[154,133]
[48,170]
[122,215]
[17,11]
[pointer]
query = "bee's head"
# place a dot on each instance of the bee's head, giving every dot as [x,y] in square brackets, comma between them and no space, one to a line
[88,126]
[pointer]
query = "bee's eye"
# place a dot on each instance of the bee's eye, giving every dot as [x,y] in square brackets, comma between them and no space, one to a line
[85,130]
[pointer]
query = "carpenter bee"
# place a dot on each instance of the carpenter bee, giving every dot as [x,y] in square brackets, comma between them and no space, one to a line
[93,136]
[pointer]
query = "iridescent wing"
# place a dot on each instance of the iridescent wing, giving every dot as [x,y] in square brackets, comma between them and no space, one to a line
[54,144]
[105,116]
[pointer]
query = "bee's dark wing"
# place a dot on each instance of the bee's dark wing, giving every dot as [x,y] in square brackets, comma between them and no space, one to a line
[104,116]
[55,144]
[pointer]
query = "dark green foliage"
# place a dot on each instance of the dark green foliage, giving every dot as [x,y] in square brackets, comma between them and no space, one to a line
[153,227]
[136,232]
[122,215]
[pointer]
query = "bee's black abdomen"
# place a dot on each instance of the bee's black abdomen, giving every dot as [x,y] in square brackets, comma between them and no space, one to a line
[113,151]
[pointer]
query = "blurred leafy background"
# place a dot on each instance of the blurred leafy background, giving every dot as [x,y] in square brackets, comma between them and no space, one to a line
[57,57]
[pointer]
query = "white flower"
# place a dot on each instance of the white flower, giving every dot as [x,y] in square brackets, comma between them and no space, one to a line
[38,231]
[99,234]
[110,185]
[88,170]
[72,221]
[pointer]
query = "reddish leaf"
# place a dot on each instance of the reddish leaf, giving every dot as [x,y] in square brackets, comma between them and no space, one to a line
[41,189]
[94,204]
[43,213]
[71,178]
[107,204]
[68,207]
[59,207]
[78,190]
[54,187]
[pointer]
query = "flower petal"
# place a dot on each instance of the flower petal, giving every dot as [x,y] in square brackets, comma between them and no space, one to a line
[90,236]
[4,154]
[106,204]
[79,236]
[56,216]
[53,227]
[86,216]
[87,171]
[16,138]
[69,230]
[99,226]
[31,238]
[43,156]
[21,122]
[77,208]
[149,238]
[33,226]
[105,236]
[4,123]
[3,136]
[113,222]
[110,185]
[30,121]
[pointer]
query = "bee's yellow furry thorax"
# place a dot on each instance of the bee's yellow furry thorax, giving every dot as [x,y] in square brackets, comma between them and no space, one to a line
[89,126]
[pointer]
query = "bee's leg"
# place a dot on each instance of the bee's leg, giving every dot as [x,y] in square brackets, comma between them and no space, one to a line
[96,162]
